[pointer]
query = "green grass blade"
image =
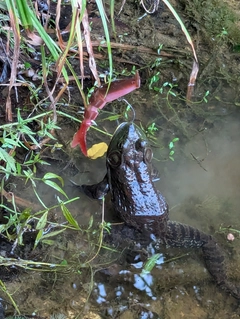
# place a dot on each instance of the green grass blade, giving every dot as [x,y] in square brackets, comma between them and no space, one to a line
[182,26]
[23,10]
[105,27]
[52,46]
[112,2]
[12,8]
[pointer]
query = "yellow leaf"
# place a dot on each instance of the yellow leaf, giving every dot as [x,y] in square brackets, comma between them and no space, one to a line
[97,150]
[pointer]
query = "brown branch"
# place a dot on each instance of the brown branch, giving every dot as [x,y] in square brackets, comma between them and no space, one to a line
[19,201]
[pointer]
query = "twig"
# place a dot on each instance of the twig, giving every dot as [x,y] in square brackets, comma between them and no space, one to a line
[199,162]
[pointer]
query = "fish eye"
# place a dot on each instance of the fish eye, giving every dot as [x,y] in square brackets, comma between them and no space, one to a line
[114,159]
[148,154]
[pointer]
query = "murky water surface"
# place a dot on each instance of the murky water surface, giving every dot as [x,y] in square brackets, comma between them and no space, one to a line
[202,188]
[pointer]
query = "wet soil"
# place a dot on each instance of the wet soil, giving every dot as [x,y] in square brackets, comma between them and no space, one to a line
[201,184]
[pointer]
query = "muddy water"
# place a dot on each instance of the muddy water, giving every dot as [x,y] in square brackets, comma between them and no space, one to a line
[207,166]
[202,189]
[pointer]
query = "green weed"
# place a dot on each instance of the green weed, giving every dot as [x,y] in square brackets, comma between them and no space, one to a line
[171,147]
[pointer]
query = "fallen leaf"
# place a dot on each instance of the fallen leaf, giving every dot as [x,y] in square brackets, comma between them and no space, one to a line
[97,150]
[34,38]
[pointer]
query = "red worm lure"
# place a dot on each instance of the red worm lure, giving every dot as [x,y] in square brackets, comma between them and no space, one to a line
[98,99]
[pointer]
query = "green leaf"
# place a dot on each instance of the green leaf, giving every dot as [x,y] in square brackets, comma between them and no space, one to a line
[69,217]
[38,238]
[52,175]
[27,65]
[25,214]
[55,186]
[42,221]
[48,242]
[113,117]
[9,142]
[64,262]
[150,264]
[11,163]
[20,238]
[53,233]
[30,175]
[90,222]
[170,145]
[19,168]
